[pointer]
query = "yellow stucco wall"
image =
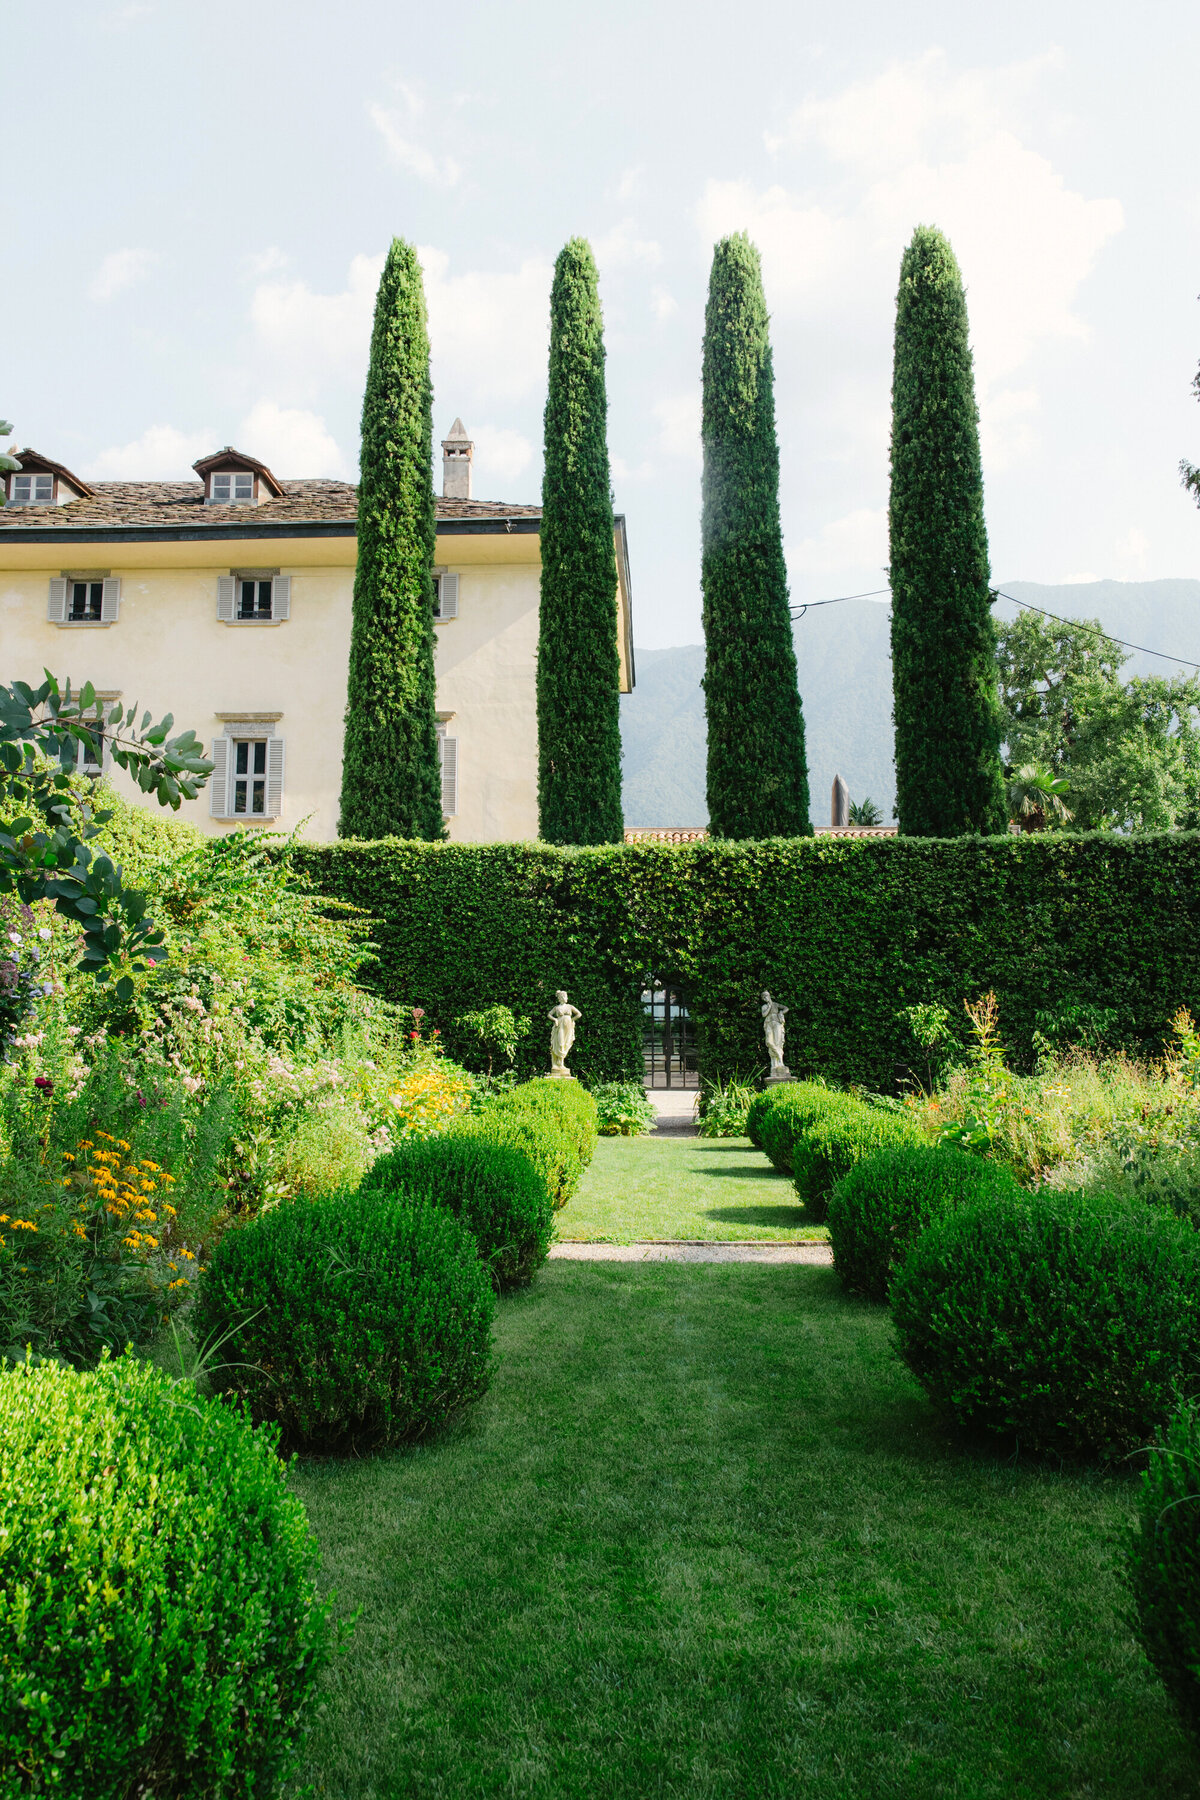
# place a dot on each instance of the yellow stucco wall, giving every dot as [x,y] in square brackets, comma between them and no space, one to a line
[169,652]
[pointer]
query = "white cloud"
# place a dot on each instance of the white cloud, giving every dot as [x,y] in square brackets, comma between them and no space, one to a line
[488,330]
[291,442]
[500,454]
[621,247]
[857,541]
[404,145]
[162,453]
[1077,580]
[121,269]
[679,427]
[923,142]
[312,336]
[663,304]
[270,261]
[1131,555]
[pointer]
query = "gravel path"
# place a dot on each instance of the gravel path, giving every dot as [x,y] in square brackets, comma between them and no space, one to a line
[721,1252]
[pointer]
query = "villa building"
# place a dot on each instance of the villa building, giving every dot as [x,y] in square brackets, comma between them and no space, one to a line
[226,601]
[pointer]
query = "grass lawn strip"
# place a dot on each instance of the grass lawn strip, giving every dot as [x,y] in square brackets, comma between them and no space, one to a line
[704,1538]
[688,1188]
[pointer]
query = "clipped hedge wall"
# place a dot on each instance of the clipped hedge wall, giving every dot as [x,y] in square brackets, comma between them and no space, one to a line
[845,932]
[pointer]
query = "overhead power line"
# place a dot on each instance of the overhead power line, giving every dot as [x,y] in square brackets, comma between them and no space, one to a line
[798,611]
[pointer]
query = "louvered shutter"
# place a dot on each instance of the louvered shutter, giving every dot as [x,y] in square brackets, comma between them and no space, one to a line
[56,606]
[448,747]
[281,597]
[110,600]
[447,597]
[226,597]
[274,777]
[218,781]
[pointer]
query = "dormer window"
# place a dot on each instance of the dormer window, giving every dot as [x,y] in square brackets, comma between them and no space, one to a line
[231,489]
[231,478]
[31,490]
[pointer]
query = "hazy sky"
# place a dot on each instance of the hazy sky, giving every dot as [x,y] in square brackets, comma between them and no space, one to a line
[197,199]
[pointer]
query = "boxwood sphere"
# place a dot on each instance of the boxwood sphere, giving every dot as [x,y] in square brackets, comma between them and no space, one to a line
[159,1627]
[886,1201]
[358,1319]
[492,1187]
[1065,1321]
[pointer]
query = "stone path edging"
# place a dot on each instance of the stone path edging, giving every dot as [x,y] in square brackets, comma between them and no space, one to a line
[695,1251]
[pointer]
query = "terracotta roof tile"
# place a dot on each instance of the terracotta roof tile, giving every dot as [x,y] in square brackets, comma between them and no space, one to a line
[175,503]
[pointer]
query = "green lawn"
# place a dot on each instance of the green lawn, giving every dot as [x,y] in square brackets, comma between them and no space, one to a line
[704,1538]
[683,1187]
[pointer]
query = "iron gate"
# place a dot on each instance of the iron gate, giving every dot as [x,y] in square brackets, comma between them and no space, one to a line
[668,1038]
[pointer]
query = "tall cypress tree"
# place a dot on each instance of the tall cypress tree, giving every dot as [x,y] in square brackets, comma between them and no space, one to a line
[944,682]
[391,784]
[578,668]
[757,774]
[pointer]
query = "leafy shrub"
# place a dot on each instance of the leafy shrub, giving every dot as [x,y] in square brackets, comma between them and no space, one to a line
[841,1133]
[553,1123]
[1066,1320]
[1164,1562]
[93,1260]
[756,1113]
[888,1199]
[159,1627]
[493,1032]
[623,1109]
[725,1108]
[356,1319]
[1159,1177]
[492,1187]
[570,1105]
[795,1105]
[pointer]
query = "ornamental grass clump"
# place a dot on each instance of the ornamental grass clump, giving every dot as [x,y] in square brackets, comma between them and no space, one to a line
[492,1187]
[883,1204]
[159,1626]
[1164,1562]
[357,1320]
[1067,1322]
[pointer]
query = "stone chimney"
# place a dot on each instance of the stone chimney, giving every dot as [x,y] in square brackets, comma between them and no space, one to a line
[839,807]
[457,452]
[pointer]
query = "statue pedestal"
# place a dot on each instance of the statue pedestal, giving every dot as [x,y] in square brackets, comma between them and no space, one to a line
[778,1076]
[558,1075]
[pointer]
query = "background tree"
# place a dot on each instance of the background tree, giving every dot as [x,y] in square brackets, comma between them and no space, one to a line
[391,782]
[948,776]
[864,813]
[1191,474]
[578,669]
[1128,750]
[757,773]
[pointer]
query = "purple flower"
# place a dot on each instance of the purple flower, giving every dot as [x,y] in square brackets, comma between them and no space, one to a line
[44,1082]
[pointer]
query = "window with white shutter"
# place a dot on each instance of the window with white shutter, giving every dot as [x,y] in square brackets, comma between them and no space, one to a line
[56,606]
[218,781]
[246,784]
[445,596]
[84,600]
[110,600]
[448,762]
[253,597]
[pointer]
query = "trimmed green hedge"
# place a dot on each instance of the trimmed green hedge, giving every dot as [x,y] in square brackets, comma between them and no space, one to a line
[1069,1322]
[1164,1562]
[888,1199]
[842,1133]
[789,1111]
[494,1188]
[845,932]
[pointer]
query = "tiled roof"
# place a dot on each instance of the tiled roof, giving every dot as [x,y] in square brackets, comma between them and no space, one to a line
[174,503]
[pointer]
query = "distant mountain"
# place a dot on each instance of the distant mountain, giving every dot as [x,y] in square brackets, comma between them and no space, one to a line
[846,683]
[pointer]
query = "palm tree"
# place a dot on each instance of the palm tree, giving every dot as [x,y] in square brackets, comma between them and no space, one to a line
[1035,797]
[864,812]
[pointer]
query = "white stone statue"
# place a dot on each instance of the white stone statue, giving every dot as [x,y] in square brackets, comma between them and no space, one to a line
[773,1017]
[562,1034]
